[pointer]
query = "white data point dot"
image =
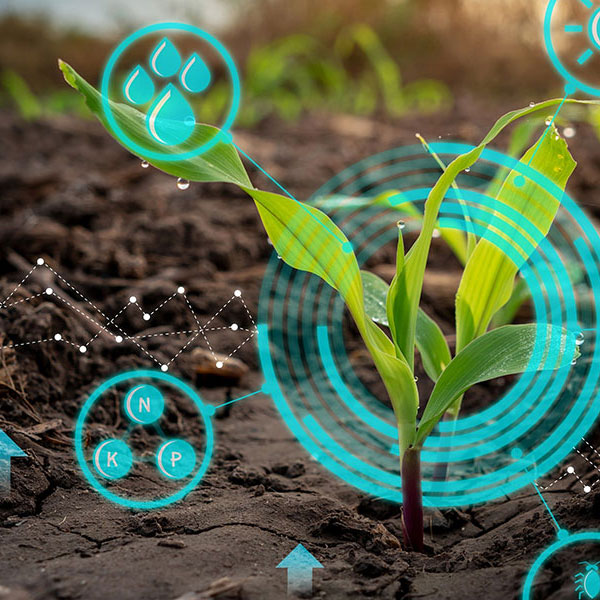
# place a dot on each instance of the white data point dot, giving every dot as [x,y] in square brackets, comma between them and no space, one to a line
[237,293]
[571,470]
[164,368]
[146,317]
[219,364]
[133,299]
[49,291]
[181,290]
[587,489]
[234,327]
[40,261]
[82,349]
[57,337]
[118,339]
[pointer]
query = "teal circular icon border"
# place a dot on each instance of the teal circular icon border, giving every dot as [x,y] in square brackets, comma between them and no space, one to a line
[348,464]
[562,542]
[573,83]
[222,133]
[144,504]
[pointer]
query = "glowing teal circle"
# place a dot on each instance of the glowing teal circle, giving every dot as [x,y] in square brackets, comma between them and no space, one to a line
[128,502]
[143,404]
[139,149]
[572,81]
[112,459]
[348,465]
[562,542]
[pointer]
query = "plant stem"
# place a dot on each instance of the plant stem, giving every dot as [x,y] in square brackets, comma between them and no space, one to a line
[412,499]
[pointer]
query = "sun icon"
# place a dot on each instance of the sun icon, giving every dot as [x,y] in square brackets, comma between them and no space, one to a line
[571,55]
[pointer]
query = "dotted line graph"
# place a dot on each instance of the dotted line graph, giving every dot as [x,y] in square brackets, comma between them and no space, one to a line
[108,326]
[570,470]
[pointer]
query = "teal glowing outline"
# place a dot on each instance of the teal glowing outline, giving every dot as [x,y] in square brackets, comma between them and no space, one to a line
[222,133]
[500,487]
[144,504]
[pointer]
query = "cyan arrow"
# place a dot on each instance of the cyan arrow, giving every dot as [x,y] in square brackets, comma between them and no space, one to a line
[8,449]
[299,563]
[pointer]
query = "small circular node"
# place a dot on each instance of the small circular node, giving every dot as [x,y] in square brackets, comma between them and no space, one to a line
[144,404]
[113,459]
[132,299]
[265,388]
[146,317]
[118,339]
[570,470]
[82,349]
[519,181]
[164,368]
[234,327]
[516,452]
[209,410]
[562,534]
[49,291]
[587,489]
[176,459]
[237,293]
[57,337]
[181,290]
[219,364]
[570,88]
[40,261]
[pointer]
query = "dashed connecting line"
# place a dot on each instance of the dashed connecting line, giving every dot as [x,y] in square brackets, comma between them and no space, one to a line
[587,488]
[119,335]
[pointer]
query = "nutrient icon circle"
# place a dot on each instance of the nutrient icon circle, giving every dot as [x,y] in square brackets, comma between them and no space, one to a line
[173,464]
[309,361]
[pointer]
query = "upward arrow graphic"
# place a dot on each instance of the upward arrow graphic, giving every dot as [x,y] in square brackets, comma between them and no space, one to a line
[299,564]
[8,450]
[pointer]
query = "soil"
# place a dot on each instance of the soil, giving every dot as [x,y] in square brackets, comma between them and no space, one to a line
[112,229]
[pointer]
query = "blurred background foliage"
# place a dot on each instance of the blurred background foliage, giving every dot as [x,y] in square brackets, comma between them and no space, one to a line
[375,58]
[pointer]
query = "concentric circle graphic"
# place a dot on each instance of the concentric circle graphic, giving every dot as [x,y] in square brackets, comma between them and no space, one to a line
[327,404]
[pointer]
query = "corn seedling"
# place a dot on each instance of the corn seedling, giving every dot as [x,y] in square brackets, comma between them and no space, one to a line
[307,239]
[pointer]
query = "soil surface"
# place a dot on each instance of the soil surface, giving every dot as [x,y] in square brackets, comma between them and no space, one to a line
[71,195]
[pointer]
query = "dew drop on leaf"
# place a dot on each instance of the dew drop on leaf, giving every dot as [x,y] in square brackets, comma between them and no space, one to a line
[401,224]
[170,119]
[182,184]
[195,75]
[145,164]
[165,60]
[138,87]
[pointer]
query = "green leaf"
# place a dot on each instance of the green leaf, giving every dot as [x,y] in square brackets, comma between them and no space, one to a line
[220,163]
[309,240]
[504,351]
[488,278]
[430,340]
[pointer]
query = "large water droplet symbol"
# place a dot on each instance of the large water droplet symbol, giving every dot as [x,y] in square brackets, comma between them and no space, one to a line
[195,75]
[165,60]
[170,119]
[138,87]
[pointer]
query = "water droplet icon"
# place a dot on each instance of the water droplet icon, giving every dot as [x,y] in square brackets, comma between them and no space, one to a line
[138,87]
[165,60]
[170,119]
[195,75]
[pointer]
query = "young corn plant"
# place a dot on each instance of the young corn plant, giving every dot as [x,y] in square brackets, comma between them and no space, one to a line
[392,325]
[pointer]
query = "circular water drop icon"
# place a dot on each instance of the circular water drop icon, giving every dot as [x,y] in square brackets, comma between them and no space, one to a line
[176,459]
[113,459]
[144,404]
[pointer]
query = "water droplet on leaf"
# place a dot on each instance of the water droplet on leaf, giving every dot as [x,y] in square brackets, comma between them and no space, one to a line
[436,233]
[145,164]
[532,104]
[195,75]
[548,121]
[165,60]
[183,184]
[401,224]
[138,87]
[170,119]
